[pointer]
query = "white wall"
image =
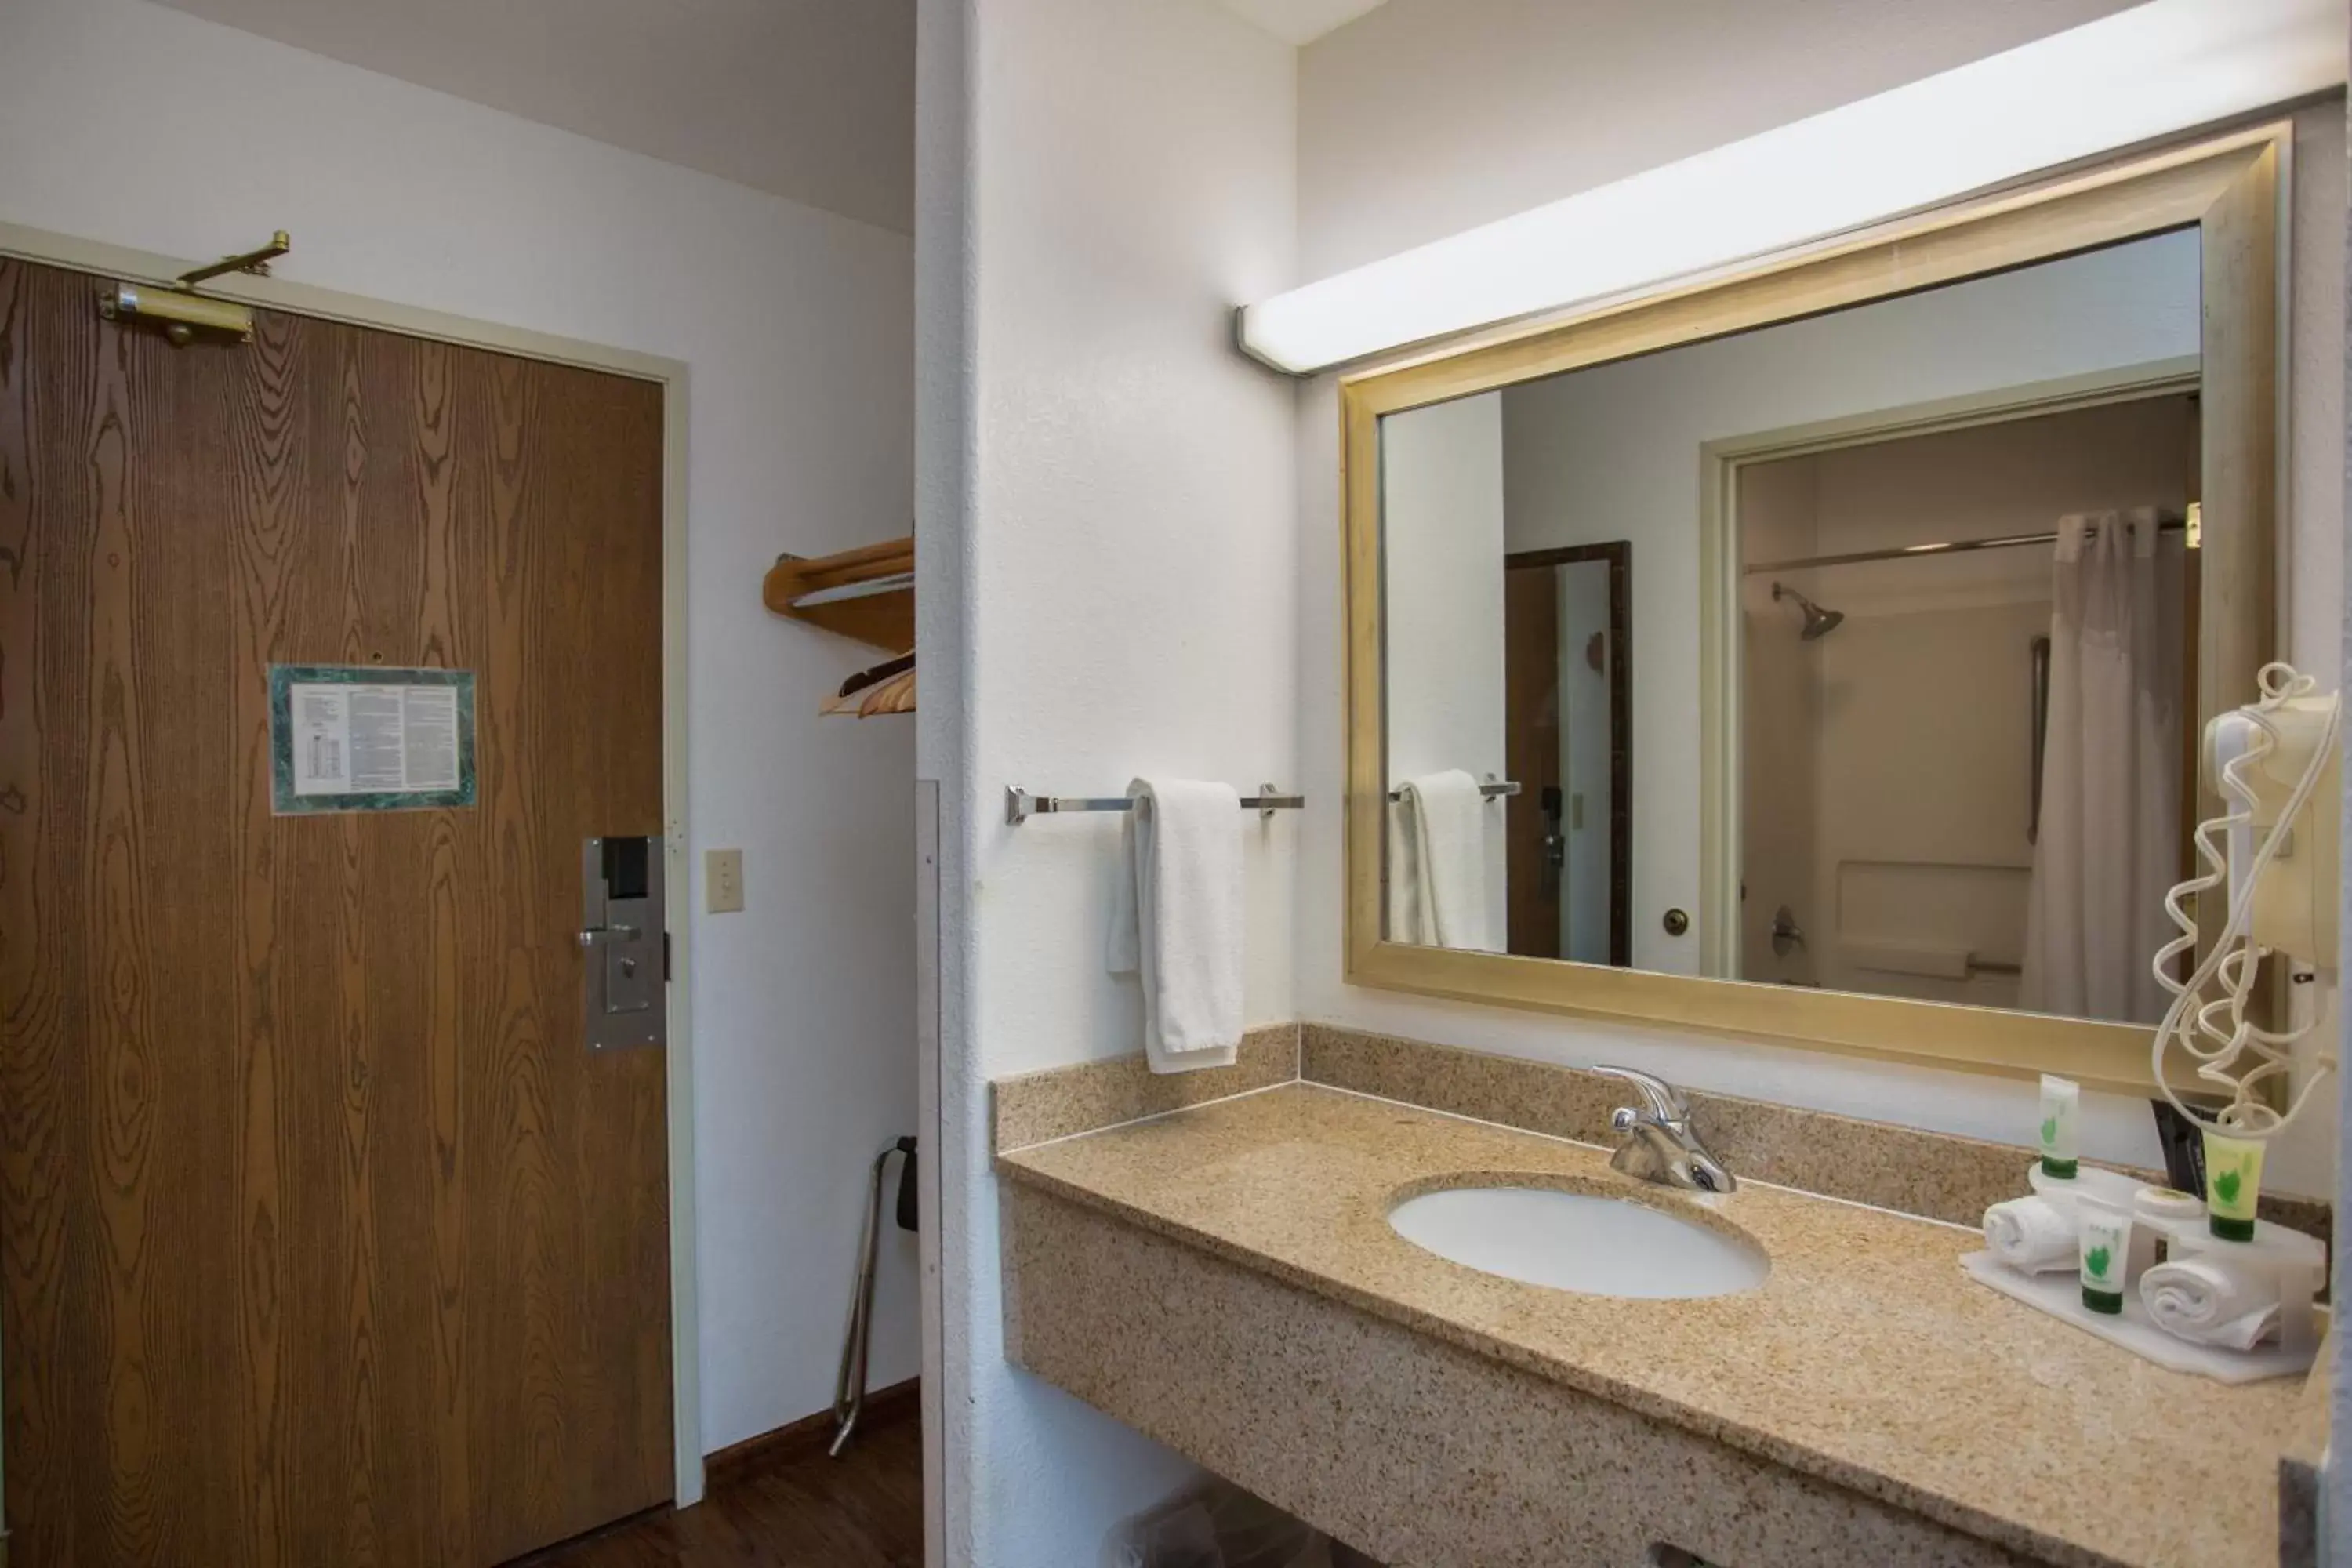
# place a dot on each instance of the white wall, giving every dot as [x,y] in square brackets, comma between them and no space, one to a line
[1404,135]
[1442,533]
[1428,117]
[1110,486]
[955,1098]
[128,123]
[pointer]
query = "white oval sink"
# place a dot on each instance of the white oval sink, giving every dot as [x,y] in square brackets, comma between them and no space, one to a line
[1572,1241]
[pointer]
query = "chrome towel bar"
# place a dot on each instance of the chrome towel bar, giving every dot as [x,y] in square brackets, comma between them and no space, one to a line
[1020,805]
[1493,789]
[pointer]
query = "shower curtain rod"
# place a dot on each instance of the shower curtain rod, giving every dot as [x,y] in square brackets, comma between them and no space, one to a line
[2164,523]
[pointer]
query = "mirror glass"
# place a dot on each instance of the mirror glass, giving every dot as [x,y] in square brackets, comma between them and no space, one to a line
[1850,652]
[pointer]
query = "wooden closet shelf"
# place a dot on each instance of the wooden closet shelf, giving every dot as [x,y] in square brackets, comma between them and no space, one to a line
[884,615]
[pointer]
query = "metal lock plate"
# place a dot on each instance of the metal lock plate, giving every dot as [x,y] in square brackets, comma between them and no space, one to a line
[623,942]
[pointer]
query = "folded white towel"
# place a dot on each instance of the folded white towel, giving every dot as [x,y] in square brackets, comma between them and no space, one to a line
[1439,863]
[2031,1235]
[1177,919]
[2210,1301]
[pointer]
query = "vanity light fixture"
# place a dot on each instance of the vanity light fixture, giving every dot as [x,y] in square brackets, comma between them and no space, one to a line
[2139,75]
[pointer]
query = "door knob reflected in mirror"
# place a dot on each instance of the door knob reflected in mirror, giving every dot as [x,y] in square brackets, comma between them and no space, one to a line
[1788,936]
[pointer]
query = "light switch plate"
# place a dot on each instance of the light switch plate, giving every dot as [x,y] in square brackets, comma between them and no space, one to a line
[723,881]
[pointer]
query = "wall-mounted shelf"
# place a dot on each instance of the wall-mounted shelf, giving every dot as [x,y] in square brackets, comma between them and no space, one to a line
[867,593]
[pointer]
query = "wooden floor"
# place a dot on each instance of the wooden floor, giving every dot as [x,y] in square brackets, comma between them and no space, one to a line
[778,1502]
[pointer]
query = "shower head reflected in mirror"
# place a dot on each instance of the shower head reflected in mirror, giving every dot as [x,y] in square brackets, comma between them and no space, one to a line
[1819,623]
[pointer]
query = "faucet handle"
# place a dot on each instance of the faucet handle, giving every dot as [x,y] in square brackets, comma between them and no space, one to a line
[1664,1101]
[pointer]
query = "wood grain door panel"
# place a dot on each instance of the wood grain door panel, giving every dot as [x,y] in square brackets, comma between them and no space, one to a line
[1531,699]
[322,1238]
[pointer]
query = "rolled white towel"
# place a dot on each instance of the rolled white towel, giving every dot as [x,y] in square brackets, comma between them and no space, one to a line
[2211,1302]
[2031,1235]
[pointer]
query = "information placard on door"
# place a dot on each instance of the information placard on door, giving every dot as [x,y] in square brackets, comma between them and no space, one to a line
[364,738]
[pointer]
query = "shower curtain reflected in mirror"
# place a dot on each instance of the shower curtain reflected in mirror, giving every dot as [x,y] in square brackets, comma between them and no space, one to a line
[2110,819]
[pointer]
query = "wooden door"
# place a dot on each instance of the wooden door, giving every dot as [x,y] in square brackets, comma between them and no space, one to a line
[1531,751]
[324,1240]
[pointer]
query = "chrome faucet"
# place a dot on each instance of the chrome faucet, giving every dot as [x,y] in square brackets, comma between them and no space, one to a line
[1660,1146]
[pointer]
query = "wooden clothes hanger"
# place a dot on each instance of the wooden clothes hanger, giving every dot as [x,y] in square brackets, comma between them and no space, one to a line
[887,687]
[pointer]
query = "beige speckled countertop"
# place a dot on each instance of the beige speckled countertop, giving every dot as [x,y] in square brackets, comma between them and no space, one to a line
[1866,1358]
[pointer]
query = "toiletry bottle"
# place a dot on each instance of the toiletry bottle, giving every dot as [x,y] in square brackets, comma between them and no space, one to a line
[2233,1180]
[2106,1236]
[2062,1102]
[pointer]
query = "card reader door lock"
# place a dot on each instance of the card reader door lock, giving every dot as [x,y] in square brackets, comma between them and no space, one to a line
[624,943]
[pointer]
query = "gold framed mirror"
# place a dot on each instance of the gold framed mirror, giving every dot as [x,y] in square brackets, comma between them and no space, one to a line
[1838,529]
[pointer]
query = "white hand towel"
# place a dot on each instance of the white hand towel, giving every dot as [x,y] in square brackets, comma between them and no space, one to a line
[2031,1235]
[2210,1301]
[1443,834]
[1177,919]
[1413,918]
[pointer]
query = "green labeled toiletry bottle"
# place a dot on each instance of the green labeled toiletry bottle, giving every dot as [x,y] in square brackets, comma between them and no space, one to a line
[2105,1234]
[2061,1103]
[2233,1181]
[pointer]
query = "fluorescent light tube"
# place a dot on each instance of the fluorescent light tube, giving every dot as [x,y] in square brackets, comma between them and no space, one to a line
[2151,71]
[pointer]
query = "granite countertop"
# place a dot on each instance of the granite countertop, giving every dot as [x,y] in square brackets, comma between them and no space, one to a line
[1867,1357]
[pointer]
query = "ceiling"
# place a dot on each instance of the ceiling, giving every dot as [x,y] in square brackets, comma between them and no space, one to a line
[808,100]
[1301,21]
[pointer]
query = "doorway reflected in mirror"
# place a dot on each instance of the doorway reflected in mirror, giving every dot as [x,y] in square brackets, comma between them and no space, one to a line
[1569,741]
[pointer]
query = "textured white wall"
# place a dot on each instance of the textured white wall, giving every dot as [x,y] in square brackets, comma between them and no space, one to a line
[1425,117]
[1107,496]
[955,1149]
[125,122]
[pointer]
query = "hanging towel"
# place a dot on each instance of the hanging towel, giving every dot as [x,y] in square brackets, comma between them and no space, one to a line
[1440,862]
[1177,919]
[2031,1235]
[1412,919]
[2211,1302]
